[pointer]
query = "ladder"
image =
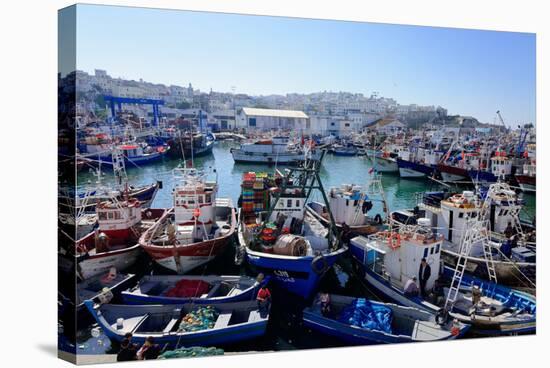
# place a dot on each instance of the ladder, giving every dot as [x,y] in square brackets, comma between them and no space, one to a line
[502,192]
[477,231]
[375,188]
[119,168]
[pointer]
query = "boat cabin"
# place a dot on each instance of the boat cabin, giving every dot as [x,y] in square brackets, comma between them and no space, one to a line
[115,215]
[501,166]
[194,204]
[397,256]
[346,204]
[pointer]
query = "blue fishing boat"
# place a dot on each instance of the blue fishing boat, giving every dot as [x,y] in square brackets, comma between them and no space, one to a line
[345,151]
[177,325]
[136,154]
[391,260]
[361,321]
[172,289]
[278,237]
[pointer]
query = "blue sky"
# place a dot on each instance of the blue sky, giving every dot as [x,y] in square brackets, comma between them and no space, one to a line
[467,71]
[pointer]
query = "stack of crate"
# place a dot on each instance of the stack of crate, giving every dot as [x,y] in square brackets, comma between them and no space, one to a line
[255,194]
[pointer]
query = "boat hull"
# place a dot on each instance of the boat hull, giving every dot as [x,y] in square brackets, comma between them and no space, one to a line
[270,158]
[451,173]
[93,265]
[408,169]
[385,165]
[527,183]
[184,258]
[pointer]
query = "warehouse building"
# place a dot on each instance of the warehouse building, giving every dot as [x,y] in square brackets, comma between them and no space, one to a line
[268,119]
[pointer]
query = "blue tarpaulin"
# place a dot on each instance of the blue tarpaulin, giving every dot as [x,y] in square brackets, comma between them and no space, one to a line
[362,313]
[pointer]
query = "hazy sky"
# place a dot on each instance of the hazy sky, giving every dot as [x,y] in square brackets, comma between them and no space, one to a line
[468,72]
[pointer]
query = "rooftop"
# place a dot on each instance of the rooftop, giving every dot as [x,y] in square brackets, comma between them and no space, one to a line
[274,112]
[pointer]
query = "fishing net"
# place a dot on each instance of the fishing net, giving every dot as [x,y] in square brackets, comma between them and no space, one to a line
[362,313]
[201,318]
[195,351]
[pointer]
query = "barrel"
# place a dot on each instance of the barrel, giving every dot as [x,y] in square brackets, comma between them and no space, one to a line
[290,245]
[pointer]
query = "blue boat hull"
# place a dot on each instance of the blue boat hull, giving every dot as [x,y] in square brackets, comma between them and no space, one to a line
[410,169]
[389,292]
[293,274]
[481,176]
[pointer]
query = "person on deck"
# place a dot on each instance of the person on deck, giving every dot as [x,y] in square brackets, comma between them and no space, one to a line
[149,350]
[127,351]
[264,300]
[424,273]
[509,231]
[324,301]
[411,288]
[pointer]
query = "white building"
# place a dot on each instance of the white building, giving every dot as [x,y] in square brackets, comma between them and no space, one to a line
[387,126]
[268,119]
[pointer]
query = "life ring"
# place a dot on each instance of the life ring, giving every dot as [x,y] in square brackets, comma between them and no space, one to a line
[378,219]
[394,240]
[324,267]
[196,212]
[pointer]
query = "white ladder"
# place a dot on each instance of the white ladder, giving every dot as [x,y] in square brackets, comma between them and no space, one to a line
[476,231]
[375,188]
[119,167]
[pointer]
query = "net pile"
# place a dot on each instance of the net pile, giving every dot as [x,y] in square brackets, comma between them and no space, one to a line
[195,351]
[201,318]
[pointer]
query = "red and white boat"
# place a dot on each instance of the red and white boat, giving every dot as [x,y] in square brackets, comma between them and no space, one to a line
[196,229]
[115,242]
[527,177]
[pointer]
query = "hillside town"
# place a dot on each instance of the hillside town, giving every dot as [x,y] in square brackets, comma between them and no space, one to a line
[324,113]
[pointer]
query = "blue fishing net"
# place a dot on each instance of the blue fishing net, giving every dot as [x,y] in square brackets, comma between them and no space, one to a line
[201,318]
[362,313]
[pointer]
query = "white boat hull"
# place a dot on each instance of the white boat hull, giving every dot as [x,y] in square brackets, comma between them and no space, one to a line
[100,264]
[270,158]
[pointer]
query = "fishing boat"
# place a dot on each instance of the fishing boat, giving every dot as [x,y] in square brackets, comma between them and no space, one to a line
[102,288]
[385,161]
[527,177]
[190,145]
[196,229]
[449,214]
[218,324]
[276,150]
[419,163]
[339,150]
[115,242]
[171,289]
[500,167]
[362,321]
[278,237]
[390,259]
[134,153]
[349,205]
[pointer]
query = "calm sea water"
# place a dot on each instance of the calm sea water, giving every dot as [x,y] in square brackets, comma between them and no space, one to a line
[285,330]
[336,170]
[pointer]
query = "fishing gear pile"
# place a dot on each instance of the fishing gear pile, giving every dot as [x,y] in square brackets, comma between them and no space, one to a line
[362,313]
[201,318]
[195,351]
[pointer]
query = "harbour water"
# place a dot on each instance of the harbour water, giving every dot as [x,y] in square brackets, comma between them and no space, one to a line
[336,170]
[285,330]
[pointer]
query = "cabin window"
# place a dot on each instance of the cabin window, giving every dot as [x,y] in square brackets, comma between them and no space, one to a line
[110,216]
[425,252]
[207,199]
[297,203]
[505,212]
[461,215]
[432,249]
[117,216]
[102,216]
[437,248]
[289,203]
[190,201]
[201,199]
[252,122]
